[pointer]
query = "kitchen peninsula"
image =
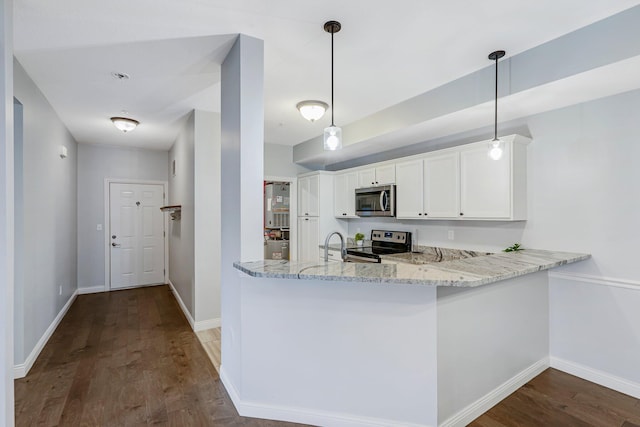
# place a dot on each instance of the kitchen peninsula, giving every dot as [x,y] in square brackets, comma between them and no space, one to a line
[403,344]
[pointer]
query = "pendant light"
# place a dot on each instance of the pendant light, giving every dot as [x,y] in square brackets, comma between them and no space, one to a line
[496,147]
[332,134]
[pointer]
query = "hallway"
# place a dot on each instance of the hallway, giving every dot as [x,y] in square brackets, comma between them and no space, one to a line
[121,359]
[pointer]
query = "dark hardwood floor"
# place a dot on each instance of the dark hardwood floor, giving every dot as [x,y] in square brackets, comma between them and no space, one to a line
[125,358]
[555,398]
[129,358]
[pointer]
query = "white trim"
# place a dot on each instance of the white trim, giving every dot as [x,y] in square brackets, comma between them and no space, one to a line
[21,370]
[596,376]
[598,280]
[302,415]
[107,222]
[91,290]
[489,400]
[181,304]
[203,325]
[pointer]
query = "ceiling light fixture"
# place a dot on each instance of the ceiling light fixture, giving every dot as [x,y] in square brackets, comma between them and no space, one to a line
[332,134]
[124,124]
[312,110]
[496,147]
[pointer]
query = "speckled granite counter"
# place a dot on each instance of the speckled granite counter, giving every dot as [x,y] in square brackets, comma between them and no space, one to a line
[467,272]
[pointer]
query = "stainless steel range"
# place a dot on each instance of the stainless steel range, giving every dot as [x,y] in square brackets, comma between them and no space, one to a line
[382,243]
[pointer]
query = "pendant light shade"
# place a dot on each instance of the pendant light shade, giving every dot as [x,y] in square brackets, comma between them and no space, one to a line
[496,147]
[332,134]
[312,110]
[124,124]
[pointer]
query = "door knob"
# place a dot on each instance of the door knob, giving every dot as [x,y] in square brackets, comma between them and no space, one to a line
[115,245]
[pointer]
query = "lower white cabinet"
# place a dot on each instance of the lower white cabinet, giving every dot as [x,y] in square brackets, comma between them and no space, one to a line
[308,238]
[333,255]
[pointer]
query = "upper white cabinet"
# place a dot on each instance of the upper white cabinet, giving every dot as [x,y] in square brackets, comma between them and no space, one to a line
[344,200]
[464,183]
[441,185]
[494,189]
[409,189]
[308,195]
[380,175]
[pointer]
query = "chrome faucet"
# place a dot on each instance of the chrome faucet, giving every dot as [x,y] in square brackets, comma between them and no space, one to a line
[343,249]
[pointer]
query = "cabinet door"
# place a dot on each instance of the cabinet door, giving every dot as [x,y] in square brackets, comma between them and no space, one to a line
[308,239]
[386,175]
[344,204]
[485,184]
[409,189]
[442,186]
[367,178]
[308,194]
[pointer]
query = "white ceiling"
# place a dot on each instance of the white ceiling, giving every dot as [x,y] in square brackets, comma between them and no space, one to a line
[386,53]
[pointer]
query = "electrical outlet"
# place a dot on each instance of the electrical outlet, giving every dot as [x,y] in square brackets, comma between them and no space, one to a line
[451,235]
[99,227]
[60,290]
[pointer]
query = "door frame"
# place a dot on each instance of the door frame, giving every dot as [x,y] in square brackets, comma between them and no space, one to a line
[293,212]
[107,222]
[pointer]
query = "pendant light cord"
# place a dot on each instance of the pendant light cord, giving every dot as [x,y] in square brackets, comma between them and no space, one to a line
[332,79]
[495,109]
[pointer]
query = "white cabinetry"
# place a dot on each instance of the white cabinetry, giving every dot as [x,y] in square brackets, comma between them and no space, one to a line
[409,189]
[308,238]
[380,175]
[344,200]
[315,213]
[333,255]
[464,183]
[494,189]
[308,195]
[441,185]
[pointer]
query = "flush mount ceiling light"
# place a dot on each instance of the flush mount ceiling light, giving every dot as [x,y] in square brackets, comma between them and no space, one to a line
[332,134]
[312,110]
[124,124]
[496,147]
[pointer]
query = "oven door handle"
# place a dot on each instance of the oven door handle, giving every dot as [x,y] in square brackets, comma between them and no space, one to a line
[383,201]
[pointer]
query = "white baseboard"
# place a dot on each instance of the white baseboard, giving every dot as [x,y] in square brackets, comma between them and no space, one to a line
[488,401]
[302,415]
[596,376]
[21,370]
[181,304]
[91,290]
[203,325]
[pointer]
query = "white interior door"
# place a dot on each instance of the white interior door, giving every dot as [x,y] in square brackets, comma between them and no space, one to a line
[136,233]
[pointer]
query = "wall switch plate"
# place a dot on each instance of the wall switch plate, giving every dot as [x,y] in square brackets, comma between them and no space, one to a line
[451,235]
[99,227]
[60,290]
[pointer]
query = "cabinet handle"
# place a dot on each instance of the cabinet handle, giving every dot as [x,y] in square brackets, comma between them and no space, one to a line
[425,214]
[372,182]
[306,219]
[344,214]
[420,213]
[461,214]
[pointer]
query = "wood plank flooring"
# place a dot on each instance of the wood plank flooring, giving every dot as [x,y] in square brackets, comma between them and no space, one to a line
[555,398]
[129,358]
[126,358]
[211,341]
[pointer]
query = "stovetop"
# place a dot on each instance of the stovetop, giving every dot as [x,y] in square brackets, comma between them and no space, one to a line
[384,243]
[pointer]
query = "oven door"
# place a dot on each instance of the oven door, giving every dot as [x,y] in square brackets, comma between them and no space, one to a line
[376,201]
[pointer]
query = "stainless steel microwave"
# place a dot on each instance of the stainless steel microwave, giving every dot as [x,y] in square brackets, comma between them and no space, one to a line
[376,201]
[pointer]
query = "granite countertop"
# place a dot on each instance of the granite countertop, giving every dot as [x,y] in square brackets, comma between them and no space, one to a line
[466,272]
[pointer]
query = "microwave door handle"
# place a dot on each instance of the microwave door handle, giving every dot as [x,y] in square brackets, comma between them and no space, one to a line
[383,200]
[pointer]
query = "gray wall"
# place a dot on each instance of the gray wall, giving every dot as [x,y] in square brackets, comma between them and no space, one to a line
[181,192]
[278,161]
[95,164]
[48,230]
